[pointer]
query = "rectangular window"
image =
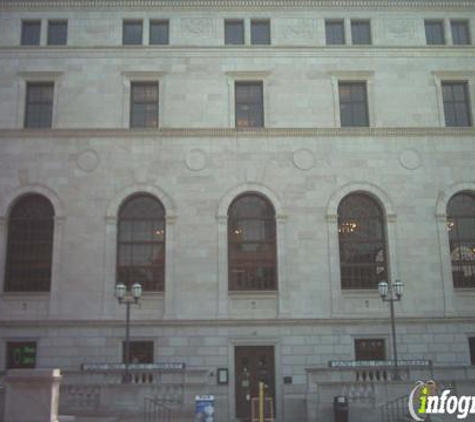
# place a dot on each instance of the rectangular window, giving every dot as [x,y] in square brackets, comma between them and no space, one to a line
[370,349]
[159,32]
[456,104]
[139,352]
[39,104]
[234,32]
[21,355]
[335,32]
[249,106]
[144,104]
[260,32]
[460,32]
[360,32]
[353,104]
[30,32]
[57,32]
[434,32]
[132,32]
[471,345]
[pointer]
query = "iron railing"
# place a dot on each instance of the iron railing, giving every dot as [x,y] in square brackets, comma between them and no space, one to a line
[396,410]
[156,411]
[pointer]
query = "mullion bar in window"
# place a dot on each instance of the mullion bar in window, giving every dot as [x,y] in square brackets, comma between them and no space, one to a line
[234,32]
[360,32]
[159,32]
[141,249]
[57,32]
[434,32]
[144,104]
[353,104]
[30,32]
[249,105]
[335,32]
[251,255]
[260,32]
[461,231]
[30,245]
[369,349]
[132,32]
[39,105]
[460,32]
[456,104]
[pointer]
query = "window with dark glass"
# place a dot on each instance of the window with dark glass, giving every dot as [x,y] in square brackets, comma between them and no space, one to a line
[57,32]
[21,355]
[141,243]
[260,31]
[361,235]
[335,32]
[434,32]
[132,32]
[456,104]
[39,104]
[29,245]
[139,351]
[249,104]
[252,259]
[370,349]
[234,32]
[461,229]
[460,32]
[144,104]
[360,32]
[353,104]
[159,32]
[471,345]
[30,32]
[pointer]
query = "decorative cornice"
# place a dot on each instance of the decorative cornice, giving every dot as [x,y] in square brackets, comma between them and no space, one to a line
[313,322]
[241,4]
[231,132]
[274,51]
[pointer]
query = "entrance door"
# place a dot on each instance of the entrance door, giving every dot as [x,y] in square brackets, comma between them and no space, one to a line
[252,365]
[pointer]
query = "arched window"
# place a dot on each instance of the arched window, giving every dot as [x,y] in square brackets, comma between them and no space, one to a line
[30,245]
[361,235]
[252,262]
[141,243]
[461,228]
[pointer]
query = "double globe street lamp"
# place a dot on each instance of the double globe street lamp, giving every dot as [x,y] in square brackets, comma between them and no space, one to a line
[392,293]
[128,298]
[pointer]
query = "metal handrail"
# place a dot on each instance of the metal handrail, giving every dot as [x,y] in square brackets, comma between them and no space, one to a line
[395,410]
[155,410]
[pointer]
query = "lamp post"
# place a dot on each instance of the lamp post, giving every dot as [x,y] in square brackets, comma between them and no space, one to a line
[127,299]
[395,293]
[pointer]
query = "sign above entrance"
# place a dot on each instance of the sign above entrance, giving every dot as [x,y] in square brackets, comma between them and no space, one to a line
[378,363]
[140,366]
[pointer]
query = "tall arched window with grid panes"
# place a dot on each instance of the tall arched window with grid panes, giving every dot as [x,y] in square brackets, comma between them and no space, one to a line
[362,241]
[252,250]
[141,243]
[30,245]
[461,230]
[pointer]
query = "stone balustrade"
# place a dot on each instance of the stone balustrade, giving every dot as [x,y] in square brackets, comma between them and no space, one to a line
[369,387]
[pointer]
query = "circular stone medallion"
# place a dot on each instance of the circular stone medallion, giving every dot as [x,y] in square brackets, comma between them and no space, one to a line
[88,160]
[410,159]
[196,159]
[304,159]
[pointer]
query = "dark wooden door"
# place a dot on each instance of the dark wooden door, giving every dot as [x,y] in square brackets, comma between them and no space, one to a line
[252,365]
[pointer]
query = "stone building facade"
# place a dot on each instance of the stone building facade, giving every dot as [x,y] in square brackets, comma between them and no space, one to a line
[354,99]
